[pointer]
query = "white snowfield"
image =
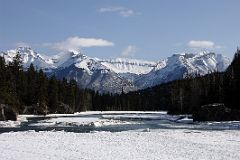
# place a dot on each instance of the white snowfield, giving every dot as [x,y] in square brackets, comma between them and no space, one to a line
[134,135]
[161,144]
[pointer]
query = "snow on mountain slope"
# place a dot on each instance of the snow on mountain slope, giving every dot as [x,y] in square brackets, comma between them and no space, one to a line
[179,65]
[29,56]
[124,65]
[115,75]
[129,69]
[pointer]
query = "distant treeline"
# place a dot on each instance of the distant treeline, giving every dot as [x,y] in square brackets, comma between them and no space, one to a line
[31,91]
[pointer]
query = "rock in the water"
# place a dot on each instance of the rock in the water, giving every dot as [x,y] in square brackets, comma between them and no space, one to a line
[7,113]
[216,112]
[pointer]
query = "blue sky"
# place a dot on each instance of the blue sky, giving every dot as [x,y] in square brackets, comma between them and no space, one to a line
[141,29]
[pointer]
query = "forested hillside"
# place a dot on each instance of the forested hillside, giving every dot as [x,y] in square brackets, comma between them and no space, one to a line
[32,92]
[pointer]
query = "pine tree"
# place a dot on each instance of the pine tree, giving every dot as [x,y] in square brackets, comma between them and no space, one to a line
[30,99]
[52,94]
[41,94]
[232,83]
[3,85]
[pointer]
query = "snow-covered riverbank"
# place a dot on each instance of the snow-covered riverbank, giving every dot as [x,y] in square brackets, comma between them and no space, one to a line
[157,144]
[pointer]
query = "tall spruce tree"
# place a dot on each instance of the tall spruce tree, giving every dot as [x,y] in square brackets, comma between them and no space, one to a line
[232,82]
[53,94]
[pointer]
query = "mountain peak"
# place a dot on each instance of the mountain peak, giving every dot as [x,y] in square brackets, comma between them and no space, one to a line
[28,56]
[24,49]
[74,52]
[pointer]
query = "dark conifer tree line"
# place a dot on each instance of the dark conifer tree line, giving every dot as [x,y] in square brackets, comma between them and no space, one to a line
[32,89]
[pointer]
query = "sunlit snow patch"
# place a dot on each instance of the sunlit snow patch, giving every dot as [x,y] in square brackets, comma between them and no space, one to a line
[79,121]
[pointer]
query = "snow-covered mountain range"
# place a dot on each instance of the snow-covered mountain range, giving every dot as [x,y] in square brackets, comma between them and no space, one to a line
[180,65]
[121,74]
[28,57]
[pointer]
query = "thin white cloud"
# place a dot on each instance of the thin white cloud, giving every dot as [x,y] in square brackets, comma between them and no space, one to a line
[22,44]
[127,13]
[201,44]
[122,11]
[129,51]
[76,43]
[111,9]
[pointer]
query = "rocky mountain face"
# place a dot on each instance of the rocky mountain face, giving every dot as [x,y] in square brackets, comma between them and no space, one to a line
[121,74]
[91,73]
[180,65]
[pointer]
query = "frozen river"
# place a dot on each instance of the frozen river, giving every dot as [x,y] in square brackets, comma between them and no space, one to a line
[114,122]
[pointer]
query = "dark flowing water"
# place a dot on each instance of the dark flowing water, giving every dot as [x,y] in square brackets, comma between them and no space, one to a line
[136,123]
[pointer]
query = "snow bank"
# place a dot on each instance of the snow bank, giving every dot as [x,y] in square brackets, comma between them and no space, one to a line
[185,120]
[4,124]
[163,144]
[145,116]
[79,121]
[121,112]
[20,119]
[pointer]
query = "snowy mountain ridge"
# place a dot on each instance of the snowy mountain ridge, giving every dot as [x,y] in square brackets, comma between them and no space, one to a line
[180,65]
[29,56]
[115,75]
[124,65]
